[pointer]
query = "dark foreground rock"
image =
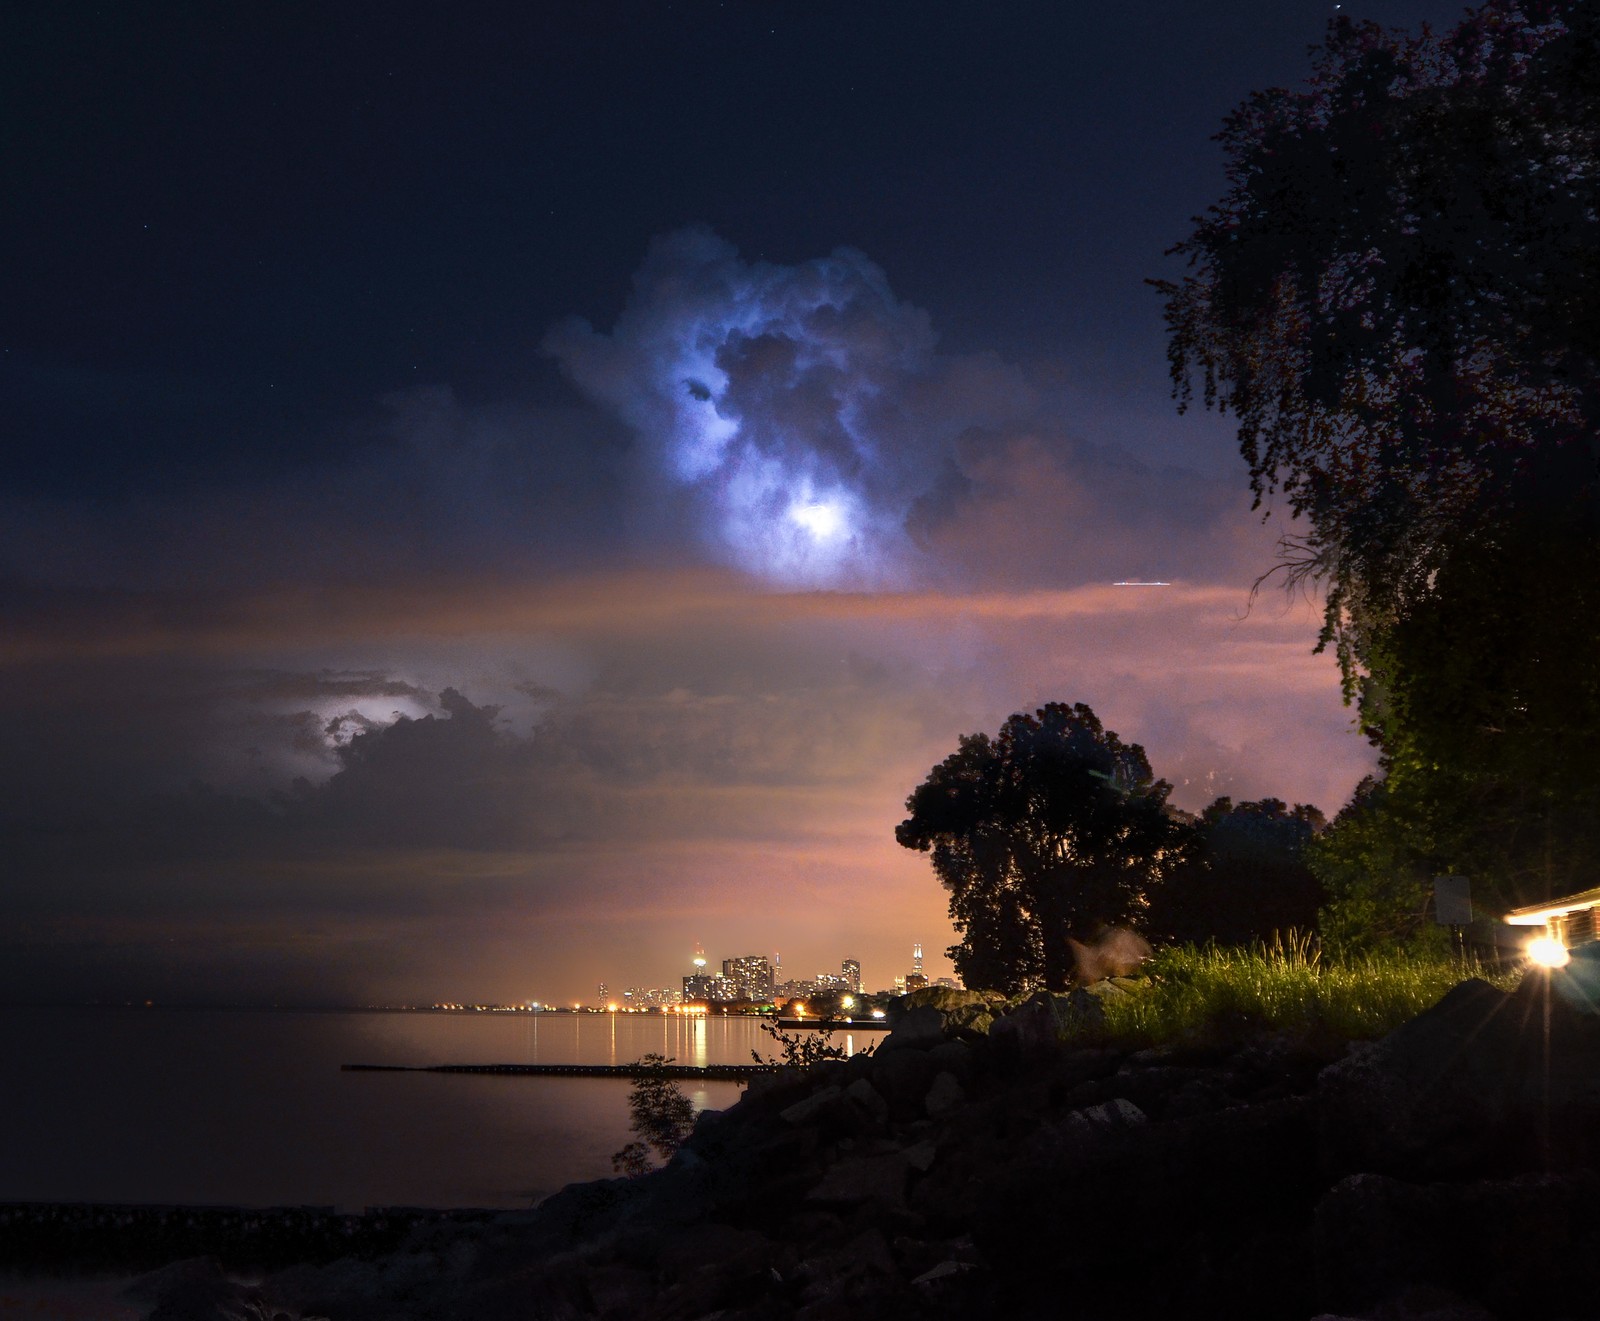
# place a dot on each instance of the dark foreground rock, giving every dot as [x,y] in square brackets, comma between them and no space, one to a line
[973,1169]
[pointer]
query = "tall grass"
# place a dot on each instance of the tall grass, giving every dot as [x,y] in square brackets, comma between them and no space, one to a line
[1286,987]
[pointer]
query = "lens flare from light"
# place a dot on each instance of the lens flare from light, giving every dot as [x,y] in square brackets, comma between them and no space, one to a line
[1548,952]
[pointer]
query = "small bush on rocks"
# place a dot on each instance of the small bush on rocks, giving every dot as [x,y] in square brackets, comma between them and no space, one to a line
[661,1116]
[806,1048]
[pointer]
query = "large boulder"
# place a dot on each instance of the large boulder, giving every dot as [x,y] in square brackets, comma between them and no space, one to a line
[922,1025]
[943,998]
[1106,1215]
[1484,1083]
[933,1013]
[1045,1019]
[1522,1247]
[902,1079]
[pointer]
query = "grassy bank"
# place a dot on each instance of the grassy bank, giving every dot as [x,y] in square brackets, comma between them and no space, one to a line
[1285,987]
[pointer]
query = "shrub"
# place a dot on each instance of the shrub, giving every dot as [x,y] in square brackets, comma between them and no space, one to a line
[661,1116]
[805,1048]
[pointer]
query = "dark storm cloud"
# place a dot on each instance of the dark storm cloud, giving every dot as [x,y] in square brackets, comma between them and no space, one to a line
[1030,506]
[796,410]
[796,422]
[435,486]
[803,422]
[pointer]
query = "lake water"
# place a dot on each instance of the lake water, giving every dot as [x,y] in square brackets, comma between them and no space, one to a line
[244,1108]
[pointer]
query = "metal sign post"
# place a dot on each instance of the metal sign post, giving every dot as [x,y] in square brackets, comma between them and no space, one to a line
[1452,907]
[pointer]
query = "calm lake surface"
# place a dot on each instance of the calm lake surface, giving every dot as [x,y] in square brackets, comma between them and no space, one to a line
[244,1108]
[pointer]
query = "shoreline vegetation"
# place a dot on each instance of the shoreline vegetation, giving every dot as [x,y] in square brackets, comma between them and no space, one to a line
[1283,986]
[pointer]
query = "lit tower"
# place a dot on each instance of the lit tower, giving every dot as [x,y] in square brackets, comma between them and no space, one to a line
[697,986]
[916,979]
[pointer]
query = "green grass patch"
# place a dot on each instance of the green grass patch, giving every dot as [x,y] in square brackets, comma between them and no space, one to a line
[1196,995]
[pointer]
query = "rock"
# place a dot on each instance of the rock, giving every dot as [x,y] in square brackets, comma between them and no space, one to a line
[620,1291]
[1041,1023]
[191,1290]
[1473,1085]
[919,1026]
[1227,1197]
[903,1079]
[1521,1247]
[1080,1132]
[943,998]
[1197,1096]
[1170,1090]
[970,1022]
[878,1179]
[953,1057]
[582,1209]
[845,1274]
[866,1098]
[1113,1116]
[942,1271]
[806,1111]
[945,1094]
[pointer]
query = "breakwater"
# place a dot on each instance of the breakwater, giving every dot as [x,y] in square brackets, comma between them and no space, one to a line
[84,1236]
[705,1072]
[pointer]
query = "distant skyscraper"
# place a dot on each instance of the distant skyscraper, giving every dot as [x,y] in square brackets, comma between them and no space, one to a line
[650,997]
[750,976]
[916,960]
[600,996]
[852,974]
[704,987]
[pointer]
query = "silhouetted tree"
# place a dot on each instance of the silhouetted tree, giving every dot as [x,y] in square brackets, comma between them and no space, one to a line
[1395,297]
[1052,829]
[1247,879]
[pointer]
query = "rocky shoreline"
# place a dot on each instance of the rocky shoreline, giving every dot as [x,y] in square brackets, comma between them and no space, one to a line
[976,1166]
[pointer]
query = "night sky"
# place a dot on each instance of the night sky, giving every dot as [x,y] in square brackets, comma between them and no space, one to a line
[491,498]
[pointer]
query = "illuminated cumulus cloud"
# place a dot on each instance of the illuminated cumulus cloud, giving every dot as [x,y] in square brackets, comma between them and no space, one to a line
[799,409]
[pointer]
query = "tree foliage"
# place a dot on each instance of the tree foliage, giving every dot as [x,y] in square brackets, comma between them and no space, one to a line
[1395,297]
[660,1114]
[1376,865]
[1052,829]
[1246,880]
